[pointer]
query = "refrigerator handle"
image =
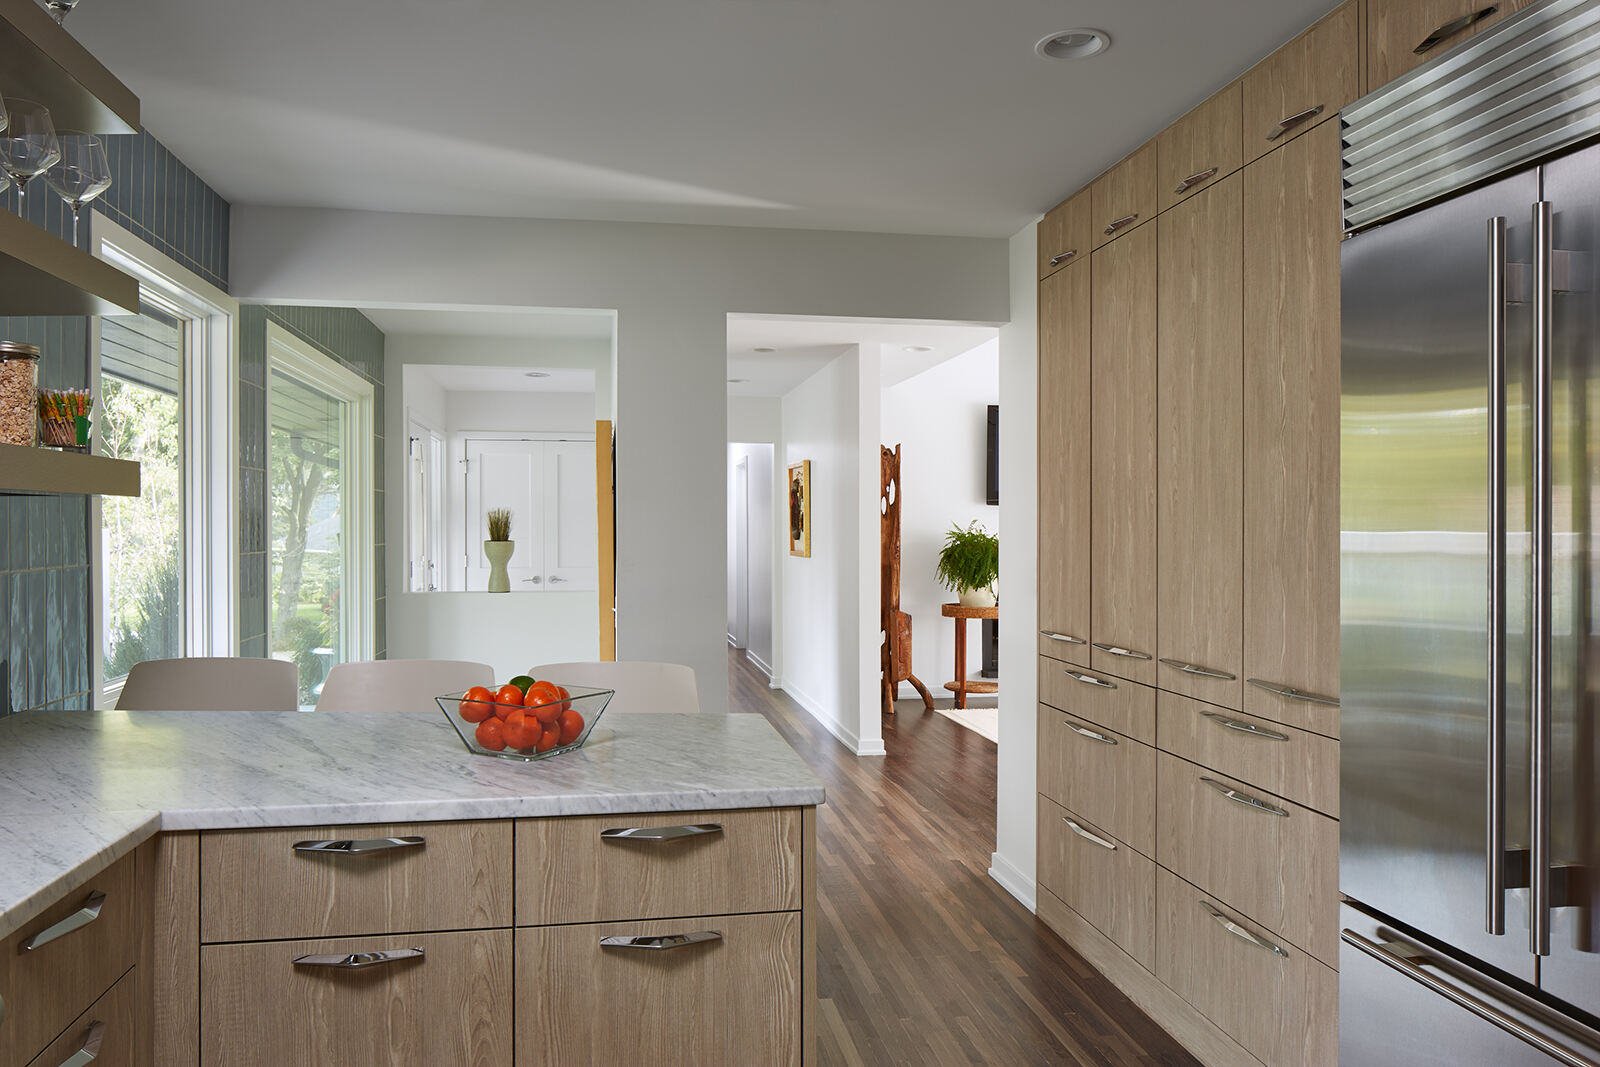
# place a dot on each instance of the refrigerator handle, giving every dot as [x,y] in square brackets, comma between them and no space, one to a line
[1539,740]
[1495,821]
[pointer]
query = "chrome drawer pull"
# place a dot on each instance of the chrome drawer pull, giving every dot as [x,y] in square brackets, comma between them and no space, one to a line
[1116,224]
[93,1038]
[1087,836]
[1066,639]
[1245,727]
[1289,692]
[1286,124]
[76,921]
[660,833]
[1084,731]
[356,961]
[661,942]
[1089,679]
[361,847]
[1203,672]
[1243,934]
[1450,29]
[1118,650]
[1061,257]
[1253,803]
[1195,179]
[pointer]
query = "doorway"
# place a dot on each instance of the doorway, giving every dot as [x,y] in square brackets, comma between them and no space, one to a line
[751,552]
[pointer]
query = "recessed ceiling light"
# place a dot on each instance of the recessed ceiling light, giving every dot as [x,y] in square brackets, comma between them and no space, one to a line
[536,374]
[737,381]
[763,350]
[1073,44]
[919,348]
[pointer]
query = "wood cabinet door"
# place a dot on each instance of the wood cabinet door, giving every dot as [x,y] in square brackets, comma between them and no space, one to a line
[1064,448]
[1200,401]
[1202,148]
[1291,433]
[1404,34]
[1123,463]
[1303,83]
[108,1032]
[1065,234]
[1125,196]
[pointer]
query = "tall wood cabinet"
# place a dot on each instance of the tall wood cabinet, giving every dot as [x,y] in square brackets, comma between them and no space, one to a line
[1066,575]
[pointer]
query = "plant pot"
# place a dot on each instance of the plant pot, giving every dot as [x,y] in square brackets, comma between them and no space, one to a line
[499,554]
[978,598]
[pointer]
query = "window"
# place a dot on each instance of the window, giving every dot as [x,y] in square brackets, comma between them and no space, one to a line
[320,510]
[165,396]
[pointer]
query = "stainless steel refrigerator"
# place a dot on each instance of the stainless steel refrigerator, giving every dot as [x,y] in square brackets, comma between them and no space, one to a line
[1470,562]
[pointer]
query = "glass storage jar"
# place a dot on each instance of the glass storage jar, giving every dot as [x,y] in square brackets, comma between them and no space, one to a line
[19,393]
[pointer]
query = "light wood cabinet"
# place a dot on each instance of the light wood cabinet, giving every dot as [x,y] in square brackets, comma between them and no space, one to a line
[1404,34]
[1123,463]
[1124,197]
[1304,83]
[1291,427]
[1200,555]
[731,999]
[1302,766]
[1202,148]
[1106,777]
[1065,381]
[109,1030]
[1066,234]
[1116,703]
[1102,879]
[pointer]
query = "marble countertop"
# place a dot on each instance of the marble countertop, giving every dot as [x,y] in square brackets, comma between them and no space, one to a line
[80,789]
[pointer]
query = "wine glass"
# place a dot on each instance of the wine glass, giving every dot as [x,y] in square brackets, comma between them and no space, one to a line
[81,174]
[59,9]
[29,145]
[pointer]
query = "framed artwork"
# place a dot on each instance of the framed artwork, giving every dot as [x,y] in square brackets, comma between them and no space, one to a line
[800,508]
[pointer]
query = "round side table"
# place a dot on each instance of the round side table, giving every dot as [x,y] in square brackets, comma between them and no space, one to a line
[962,686]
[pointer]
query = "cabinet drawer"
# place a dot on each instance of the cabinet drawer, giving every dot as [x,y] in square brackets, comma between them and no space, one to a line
[1303,83]
[733,999]
[451,1005]
[1126,707]
[1107,778]
[107,1033]
[1279,759]
[1273,860]
[1065,234]
[1273,999]
[573,870]
[1100,878]
[81,946]
[1202,148]
[260,884]
[1125,196]
[1404,34]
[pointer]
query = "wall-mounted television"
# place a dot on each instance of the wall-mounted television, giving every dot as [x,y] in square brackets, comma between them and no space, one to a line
[992,465]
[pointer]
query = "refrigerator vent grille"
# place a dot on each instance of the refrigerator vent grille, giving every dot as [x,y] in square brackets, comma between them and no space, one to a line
[1524,88]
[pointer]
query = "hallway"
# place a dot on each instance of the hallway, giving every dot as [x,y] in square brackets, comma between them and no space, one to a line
[922,957]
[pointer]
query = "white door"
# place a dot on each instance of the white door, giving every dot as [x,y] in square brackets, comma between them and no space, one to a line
[571,543]
[424,508]
[506,474]
[739,627]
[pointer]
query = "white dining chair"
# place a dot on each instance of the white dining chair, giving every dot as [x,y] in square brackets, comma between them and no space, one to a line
[211,683]
[399,684]
[639,685]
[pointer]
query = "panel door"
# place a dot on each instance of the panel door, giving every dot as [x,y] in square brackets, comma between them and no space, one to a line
[571,547]
[1065,573]
[506,474]
[1404,34]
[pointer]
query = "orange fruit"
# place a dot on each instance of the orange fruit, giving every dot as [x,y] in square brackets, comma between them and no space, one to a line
[476,704]
[520,730]
[549,739]
[490,735]
[571,726]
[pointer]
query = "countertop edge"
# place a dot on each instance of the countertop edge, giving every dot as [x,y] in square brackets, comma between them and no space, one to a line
[19,913]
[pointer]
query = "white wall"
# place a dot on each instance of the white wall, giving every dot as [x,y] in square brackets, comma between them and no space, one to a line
[672,288]
[511,412]
[940,420]
[509,631]
[758,460]
[549,353]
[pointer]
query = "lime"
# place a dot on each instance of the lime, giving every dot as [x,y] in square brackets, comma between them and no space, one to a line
[522,682]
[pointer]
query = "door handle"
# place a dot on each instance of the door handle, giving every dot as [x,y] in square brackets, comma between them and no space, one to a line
[1289,692]
[1540,748]
[1243,933]
[1118,650]
[89,1048]
[1444,31]
[1243,727]
[1239,796]
[76,921]
[1093,838]
[367,846]
[358,961]
[1116,224]
[1066,639]
[1495,880]
[1084,731]
[660,833]
[1195,179]
[662,942]
[1061,257]
[1196,669]
[1089,679]
[1289,122]
[535,579]
[556,579]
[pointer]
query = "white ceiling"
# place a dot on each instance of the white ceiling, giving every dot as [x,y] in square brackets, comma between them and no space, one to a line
[556,324]
[923,116]
[453,379]
[803,346]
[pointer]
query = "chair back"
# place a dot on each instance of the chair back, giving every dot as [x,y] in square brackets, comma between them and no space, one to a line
[399,684]
[211,683]
[640,686]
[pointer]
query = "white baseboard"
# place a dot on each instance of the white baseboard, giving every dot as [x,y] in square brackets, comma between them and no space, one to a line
[846,736]
[1013,881]
[760,664]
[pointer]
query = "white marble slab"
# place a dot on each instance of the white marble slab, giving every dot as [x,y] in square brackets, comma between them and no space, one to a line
[110,777]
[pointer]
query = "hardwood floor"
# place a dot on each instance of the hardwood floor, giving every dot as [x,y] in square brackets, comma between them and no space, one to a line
[922,957]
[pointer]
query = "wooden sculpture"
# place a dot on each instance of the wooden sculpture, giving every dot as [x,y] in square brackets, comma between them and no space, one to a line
[896,623]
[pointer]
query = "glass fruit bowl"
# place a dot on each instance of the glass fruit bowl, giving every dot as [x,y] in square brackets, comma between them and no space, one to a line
[529,731]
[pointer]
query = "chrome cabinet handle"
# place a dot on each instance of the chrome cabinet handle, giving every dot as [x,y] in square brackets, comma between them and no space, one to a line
[1290,122]
[1116,224]
[1088,836]
[356,961]
[556,579]
[76,921]
[661,942]
[1089,679]
[1242,933]
[1067,639]
[1244,727]
[365,846]
[1289,692]
[660,833]
[1118,650]
[1203,672]
[1061,257]
[1495,876]
[93,1038]
[535,579]
[1240,797]
[1084,731]
[1541,686]
[1195,179]
[1449,29]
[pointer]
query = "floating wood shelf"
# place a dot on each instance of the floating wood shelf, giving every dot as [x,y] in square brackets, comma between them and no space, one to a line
[40,274]
[41,61]
[45,470]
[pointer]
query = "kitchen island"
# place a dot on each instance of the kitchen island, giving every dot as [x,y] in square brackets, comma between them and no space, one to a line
[357,888]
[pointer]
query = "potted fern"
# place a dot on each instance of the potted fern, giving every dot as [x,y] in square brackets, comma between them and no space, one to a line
[969,564]
[498,549]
